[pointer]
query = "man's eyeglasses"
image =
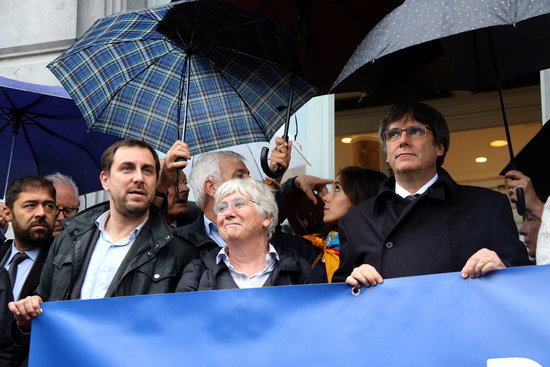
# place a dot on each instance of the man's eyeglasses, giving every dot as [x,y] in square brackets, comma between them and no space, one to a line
[237,204]
[415,132]
[67,211]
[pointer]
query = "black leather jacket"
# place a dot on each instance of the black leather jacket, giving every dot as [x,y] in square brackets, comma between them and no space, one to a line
[153,265]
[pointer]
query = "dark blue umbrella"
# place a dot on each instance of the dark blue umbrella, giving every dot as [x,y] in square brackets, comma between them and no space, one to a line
[42,131]
[200,71]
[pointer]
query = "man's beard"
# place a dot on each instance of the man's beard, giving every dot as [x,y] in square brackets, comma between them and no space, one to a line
[32,238]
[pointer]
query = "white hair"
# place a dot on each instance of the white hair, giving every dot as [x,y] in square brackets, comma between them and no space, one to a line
[207,166]
[263,199]
[60,178]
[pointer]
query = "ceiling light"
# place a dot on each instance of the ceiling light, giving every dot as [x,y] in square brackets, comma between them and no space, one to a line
[481,159]
[499,143]
[346,140]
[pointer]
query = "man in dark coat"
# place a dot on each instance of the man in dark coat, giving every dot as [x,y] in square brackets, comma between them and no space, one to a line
[421,221]
[120,248]
[30,207]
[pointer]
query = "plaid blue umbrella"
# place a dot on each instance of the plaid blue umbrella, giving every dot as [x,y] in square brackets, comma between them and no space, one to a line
[201,71]
[42,131]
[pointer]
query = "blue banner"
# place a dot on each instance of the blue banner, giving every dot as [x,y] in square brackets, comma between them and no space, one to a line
[434,320]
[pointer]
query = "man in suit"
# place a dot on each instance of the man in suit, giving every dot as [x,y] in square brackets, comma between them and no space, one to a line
[30,207]
[422,221]
[119,248]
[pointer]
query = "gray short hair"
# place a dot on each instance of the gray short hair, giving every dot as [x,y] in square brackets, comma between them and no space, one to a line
[58,177]
[207,166]
[265,201]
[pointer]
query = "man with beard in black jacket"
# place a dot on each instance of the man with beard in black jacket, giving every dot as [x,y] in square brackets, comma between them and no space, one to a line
[119,248]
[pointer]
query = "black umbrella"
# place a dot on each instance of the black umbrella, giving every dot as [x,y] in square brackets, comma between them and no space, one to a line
[529,160]
[331,29]
[427,45]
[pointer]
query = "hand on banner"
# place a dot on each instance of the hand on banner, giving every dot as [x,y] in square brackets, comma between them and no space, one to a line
[482,262]
[311,185]
[25,310]
[365,274]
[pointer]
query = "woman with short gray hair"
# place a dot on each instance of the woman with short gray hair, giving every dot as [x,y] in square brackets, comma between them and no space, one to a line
[246,218]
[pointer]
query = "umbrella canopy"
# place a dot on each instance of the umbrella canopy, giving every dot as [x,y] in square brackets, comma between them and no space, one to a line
[42,131]
[332,30]
[530,161]
[427,45]
[201,71]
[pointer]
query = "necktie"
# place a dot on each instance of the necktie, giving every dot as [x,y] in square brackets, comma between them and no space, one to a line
[17,259]
[412,197]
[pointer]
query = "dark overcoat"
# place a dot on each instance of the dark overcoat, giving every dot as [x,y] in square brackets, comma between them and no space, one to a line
[436,233]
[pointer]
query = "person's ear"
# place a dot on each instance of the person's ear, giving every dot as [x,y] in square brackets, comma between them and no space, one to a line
[104,178]
[7,214]
[210,187]
[440,150]
[267,221]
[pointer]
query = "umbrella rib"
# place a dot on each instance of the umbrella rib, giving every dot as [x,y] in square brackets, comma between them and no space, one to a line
[155,61]
[29,144]
[240,97]
[61,137]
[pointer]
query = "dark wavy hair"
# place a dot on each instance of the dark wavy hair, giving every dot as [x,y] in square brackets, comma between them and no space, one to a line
[424,114]
[26,183]
[360,183]
[109,154]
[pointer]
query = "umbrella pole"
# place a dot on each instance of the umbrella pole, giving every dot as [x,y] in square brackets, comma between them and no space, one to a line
[14,135]
[520,194]
[278,172]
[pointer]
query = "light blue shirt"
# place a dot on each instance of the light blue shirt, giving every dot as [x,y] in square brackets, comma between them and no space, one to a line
[23,269]
[255,281]
[106,259]
[404,193]
[212,231]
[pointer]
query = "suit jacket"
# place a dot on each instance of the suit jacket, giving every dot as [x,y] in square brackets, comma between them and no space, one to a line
[10,354]
[436,233]
[34,275]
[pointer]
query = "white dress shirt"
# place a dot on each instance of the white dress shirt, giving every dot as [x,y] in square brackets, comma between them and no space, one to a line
[106,259]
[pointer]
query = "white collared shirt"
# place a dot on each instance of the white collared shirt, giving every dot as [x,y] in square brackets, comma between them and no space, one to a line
[106,259]
[404,193]
[255,281]
[212,231]
[23,269]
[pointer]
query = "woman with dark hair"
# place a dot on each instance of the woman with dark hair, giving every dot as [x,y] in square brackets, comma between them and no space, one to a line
[352,186]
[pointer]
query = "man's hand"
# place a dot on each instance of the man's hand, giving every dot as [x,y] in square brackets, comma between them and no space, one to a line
[482,262]
[311,185]
[280,155]
[169,166]
[517,179]
[25,310]
[365,274]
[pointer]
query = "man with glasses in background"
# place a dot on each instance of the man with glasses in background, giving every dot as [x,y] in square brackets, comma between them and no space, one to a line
[422,221]
[66,199]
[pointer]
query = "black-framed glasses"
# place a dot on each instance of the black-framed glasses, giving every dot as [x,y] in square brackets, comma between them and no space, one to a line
[237,204]
[67,211]
[415,132]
